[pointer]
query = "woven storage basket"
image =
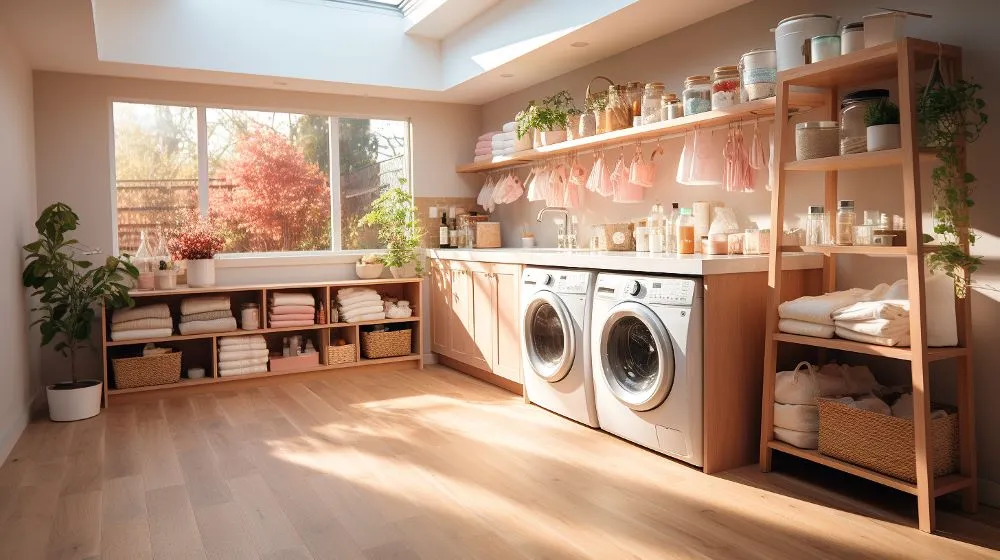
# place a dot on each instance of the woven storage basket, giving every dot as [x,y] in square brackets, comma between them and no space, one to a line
[146,371]
[617,237]
[385,344]
[882,443]
[341,354]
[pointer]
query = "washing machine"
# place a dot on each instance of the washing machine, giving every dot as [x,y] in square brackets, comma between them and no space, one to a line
[646,338]
[555,341]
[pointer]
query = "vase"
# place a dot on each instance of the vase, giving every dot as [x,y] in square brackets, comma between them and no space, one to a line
[882,137]
[408,270]
[201,273]
[69,402]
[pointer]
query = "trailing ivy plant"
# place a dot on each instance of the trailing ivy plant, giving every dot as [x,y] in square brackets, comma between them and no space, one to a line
[950,118]
[395,216]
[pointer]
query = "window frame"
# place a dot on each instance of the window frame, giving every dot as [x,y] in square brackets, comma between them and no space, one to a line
[335,255]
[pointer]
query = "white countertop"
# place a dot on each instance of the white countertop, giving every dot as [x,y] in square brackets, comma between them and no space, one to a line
[630,261]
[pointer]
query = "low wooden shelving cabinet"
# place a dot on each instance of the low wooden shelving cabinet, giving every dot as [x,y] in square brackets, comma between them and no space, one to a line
[200,350]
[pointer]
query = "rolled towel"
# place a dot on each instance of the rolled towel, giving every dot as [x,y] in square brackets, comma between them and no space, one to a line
[143,324]
[292,298]
[802,440]
[903,340]
[227,355]
[154,311]
[803,328]
[369,317]
[294,317]
[141,334]
[190,306]
[292,310]
[286,324]
[509,127]
[244,371]
[206,316]
[819,309]
[202,327]
[241,340]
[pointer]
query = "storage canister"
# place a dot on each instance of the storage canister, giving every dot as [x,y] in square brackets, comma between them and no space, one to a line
[725,87]
[816,139]
[792,34]
[249,316]
[884,27]
[845,223]
[824,47]
[816,224]
[641,239]
[697,94]
[672,107]
[619,111]
[759,74]
[634,90]
[852,37]
[853,132]
[652,103]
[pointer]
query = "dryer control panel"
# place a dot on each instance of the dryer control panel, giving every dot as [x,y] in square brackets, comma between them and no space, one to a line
[671,292]
[560,281]
[652,291]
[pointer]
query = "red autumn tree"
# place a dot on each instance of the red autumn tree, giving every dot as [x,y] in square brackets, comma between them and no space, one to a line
[280,201]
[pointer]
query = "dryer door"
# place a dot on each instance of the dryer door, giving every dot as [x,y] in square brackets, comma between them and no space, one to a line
[549,336]
[637,356]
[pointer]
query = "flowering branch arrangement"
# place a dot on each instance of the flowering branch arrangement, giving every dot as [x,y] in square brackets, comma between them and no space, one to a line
[195,241]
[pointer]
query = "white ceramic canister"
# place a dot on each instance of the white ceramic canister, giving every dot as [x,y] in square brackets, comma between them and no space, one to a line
[852,37]
[824,47]
[884,27]
[759,73]
[792,36]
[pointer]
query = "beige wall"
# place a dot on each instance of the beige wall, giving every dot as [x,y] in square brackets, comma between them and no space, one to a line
[19,374]
[721,40]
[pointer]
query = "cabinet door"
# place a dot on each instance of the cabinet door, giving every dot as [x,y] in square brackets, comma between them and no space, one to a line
[442,315]
[484,316]
[463,346]
[507,325]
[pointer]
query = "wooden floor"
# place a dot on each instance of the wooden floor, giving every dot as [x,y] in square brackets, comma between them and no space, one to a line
[416,464]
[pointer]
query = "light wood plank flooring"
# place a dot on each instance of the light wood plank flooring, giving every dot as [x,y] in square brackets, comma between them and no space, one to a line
[417,464]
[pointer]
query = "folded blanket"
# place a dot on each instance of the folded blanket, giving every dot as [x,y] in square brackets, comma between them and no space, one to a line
[206,316]
[865,310]
[483,152]
[285,324]
[878,327]
[803,440]
[244,371]
[154,311]
[190,306]
[791,326]
[345,292]
[292,298]
[237,364]
[143,324]
[256,345]
[509,127]
[369,317]
[353,300]
[819,309]
[292,310]
[350,316]
[903,340]
[140,334]
[294,317]
[215,325]
[241,340]
[361,305]
[504,137]
[228,355]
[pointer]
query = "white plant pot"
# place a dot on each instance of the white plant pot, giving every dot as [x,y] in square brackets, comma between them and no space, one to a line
[550,137]
[883,137]
[368,271]
[408,270]
[201,273]
[69,402]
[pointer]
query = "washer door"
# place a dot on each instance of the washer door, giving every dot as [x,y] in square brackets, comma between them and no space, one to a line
[637,356]
[549,337]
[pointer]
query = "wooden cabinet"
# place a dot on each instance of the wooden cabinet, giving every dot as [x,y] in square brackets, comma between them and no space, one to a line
[476,315]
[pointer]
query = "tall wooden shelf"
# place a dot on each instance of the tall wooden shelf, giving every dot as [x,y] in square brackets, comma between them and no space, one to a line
[404,288]
[899,60]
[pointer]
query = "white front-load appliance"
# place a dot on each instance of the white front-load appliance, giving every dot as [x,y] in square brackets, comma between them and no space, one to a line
[646,338]
[555,341]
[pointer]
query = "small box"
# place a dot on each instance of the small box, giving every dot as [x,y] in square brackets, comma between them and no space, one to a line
[294,363]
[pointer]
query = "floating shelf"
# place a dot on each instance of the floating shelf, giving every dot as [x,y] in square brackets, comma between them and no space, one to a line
[376,322]
[864,160]
[899,353]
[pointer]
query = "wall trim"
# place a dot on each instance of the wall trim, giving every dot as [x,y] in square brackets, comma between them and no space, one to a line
[989,492]
[10,435]
[430,358]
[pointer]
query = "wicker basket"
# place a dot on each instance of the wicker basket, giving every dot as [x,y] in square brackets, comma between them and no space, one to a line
[341,354]
[884,443]
[386,344]
[617,237]
[146,371]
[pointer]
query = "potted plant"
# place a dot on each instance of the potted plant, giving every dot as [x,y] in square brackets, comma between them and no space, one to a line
[68,289]
[882,122]
[197,243]
[369,267]
[949,118]
[547,121]
[166,276]
[395,217]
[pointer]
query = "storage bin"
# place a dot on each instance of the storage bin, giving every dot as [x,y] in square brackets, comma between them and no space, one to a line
[616,237]
[386,344]
[883,443]
[295,363]
[341,354]
[817,139]
[144,371]
[884,27]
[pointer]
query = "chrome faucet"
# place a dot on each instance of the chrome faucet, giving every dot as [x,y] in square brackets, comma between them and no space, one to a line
[562,236]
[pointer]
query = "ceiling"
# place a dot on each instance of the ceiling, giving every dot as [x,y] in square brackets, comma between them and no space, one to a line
[461,51]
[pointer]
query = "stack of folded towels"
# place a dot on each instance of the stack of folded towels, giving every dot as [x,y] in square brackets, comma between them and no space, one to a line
[240,355]
[291,309]
[484,146]
[148,321]
[207,314]
[359,304]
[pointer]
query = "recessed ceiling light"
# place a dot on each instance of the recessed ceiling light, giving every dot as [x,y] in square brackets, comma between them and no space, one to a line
[579,44]
[506,75]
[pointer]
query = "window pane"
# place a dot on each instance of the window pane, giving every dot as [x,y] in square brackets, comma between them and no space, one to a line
[269,186]
[373,157]
[156,170]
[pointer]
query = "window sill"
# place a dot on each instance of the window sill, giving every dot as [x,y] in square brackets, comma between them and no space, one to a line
[290,259]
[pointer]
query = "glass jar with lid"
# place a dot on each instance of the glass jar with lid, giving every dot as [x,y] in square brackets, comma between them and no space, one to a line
[845,223]
[852,37]
[853,132]
[634,92]
[816,225]
[697,94]
[672,107]
[652,103]
[619,110]
[725,87]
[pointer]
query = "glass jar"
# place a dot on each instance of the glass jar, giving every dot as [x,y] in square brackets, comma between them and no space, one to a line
[619,111]
[697,95]
[816,224]
[845,223]
[634,92]
[853,131]
[684,232]
[824,47]
[652,103]
[249,317]
[672,107]
[725,87]
[817,139]
[760,74]
[852,37]
[751,242]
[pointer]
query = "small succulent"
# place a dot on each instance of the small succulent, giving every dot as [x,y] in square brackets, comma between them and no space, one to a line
[882,112]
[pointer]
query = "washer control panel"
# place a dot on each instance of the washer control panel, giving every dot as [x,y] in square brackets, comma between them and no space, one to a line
[653,291]
[670,292]
[564,282]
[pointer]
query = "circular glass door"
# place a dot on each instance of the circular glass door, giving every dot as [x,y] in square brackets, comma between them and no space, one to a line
[637,356]
[549,342]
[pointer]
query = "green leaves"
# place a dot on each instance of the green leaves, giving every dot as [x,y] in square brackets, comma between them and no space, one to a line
[394,215]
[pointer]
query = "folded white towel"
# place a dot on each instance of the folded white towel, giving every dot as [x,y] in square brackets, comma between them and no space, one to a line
[291,298]
[237,364]
[802,440]
[874,310]
[154,311]
[368,317]
[867,402]
[798,417]
[190,306]
[355,317]
[903,340]
[256,345]
[227,355]
[510,127]
[362,308]
[354,299]
[141,333]
[856,379]
[819,309]
[878,327]
[488,135]
[241,340]
[215,325]
[244,371]
[803,328]
[504,137]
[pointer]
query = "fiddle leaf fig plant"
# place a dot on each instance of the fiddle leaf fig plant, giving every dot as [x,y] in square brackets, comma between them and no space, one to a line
[395,216]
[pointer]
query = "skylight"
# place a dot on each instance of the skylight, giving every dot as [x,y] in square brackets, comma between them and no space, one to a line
[398,5]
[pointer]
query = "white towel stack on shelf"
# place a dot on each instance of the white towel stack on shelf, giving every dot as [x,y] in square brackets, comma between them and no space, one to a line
[207,314]
[242,355]
[147,321]
[503,143]
[359,304]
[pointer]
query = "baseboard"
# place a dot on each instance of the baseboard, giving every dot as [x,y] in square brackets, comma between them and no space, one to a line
[11,433]
[430,359]
[482,375]
[989,493]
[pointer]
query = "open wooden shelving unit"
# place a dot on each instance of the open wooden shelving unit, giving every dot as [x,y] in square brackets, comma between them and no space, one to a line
[403,288]
[900,60]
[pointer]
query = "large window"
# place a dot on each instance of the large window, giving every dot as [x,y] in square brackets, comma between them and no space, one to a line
[270,181]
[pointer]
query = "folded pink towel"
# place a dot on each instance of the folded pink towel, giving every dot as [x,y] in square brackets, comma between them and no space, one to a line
[282,324]
[483,151]
[293,317]
[292,309]
[484,144]
[487,136]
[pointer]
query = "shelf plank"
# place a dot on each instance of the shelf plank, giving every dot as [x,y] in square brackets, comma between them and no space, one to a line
[867,250]
[744,111]
[185,290]
[223,378]
[176,338]
[376,322]
[933,354]
[173,338]
[181,383]
[864,160]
